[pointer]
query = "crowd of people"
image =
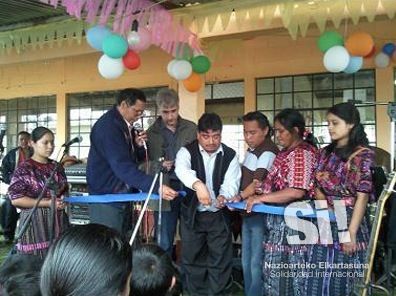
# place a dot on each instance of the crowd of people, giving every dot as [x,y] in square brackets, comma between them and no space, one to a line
[96,260]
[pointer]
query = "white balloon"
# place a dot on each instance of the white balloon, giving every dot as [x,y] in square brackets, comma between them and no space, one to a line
[110,68]
[336,59]
[381,60]
[169,68]
[133,38]
[181,69]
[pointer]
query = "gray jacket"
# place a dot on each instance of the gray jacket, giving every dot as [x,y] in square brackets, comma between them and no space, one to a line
[186,132]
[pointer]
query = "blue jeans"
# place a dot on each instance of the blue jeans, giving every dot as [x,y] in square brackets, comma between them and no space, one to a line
[253,233]
[168,225]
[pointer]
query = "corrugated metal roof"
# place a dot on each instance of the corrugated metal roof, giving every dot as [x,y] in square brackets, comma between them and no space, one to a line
[14,12]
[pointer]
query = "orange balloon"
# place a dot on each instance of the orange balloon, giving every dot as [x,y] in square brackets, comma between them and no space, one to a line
[193,83]
[359,44]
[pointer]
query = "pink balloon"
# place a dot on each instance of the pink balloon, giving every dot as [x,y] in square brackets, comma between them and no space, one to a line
[145,40]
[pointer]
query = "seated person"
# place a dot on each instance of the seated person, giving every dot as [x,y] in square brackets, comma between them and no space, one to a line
[154,272]
[87,260]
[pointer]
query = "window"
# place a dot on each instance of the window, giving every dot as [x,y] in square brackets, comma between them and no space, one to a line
[84,110]
[227,100]
[25,114]
[313,94]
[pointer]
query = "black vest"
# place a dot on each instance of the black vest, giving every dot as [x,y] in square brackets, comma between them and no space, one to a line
[222,162]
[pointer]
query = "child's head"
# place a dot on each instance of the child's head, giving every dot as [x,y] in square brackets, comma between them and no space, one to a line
[152,272]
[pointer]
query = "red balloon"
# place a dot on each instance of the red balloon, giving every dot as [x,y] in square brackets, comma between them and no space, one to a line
[131,60]
[371,54]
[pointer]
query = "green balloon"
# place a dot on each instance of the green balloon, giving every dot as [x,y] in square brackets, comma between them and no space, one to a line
[329,39]
[200,64]
[115,46]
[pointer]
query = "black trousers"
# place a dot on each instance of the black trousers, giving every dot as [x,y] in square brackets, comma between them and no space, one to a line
[116,217]
[207,254]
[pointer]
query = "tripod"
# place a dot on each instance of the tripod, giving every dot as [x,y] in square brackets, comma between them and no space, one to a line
[159,175]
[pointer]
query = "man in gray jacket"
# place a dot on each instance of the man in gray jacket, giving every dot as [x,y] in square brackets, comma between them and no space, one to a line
[166,136]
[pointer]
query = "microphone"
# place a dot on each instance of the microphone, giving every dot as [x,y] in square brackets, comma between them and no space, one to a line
[72,141]
[139,128]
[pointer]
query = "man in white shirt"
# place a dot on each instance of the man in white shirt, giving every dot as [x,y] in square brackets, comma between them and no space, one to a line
[211,173]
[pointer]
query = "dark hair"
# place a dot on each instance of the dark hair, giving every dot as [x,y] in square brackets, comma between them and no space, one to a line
[209,121]
[261,119]
[153,271]
[130,96]
[23,284]
[357,136]
[23,133]
[87,260]
[39,132]
[291,118]
[19,263]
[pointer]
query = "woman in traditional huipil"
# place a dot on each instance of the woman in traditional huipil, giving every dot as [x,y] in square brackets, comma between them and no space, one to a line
[343,179]
[290,179]
[27,183]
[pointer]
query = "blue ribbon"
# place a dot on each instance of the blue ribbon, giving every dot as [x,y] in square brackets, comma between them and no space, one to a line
[110,198]
[277,210]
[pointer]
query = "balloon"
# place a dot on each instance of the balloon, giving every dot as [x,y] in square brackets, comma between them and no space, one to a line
[200,64]
[355,64]
[336,59]
[381,60]
[110,68]
[169,68]
[96,35]
[388,49]
[371,54]
[181,70]
[193,83]
[359,44]
[144,42]
[115,46]
[329,39]
[133,38]
[131,60]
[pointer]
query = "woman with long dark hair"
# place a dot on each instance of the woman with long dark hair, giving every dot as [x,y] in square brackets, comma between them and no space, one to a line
[26,185]
[343,179]
[290,179]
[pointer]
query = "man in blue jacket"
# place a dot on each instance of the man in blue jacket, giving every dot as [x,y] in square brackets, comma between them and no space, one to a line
[113,159]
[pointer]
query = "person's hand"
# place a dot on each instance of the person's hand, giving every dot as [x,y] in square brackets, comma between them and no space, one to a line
[250,202]
[251,188]
[168,164]
[319,195]
[168,193]
[350,248]
[236,198]
[60,204]
[220,202]
[140,138]
[203,194]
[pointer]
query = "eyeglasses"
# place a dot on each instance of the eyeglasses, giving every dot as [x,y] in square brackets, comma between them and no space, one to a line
[139,112]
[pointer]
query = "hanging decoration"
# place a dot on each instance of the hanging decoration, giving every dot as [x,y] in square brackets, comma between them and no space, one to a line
[296,16]
[165,33]
[358,46]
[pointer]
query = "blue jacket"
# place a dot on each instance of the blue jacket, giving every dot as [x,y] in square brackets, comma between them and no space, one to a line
[112,167]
